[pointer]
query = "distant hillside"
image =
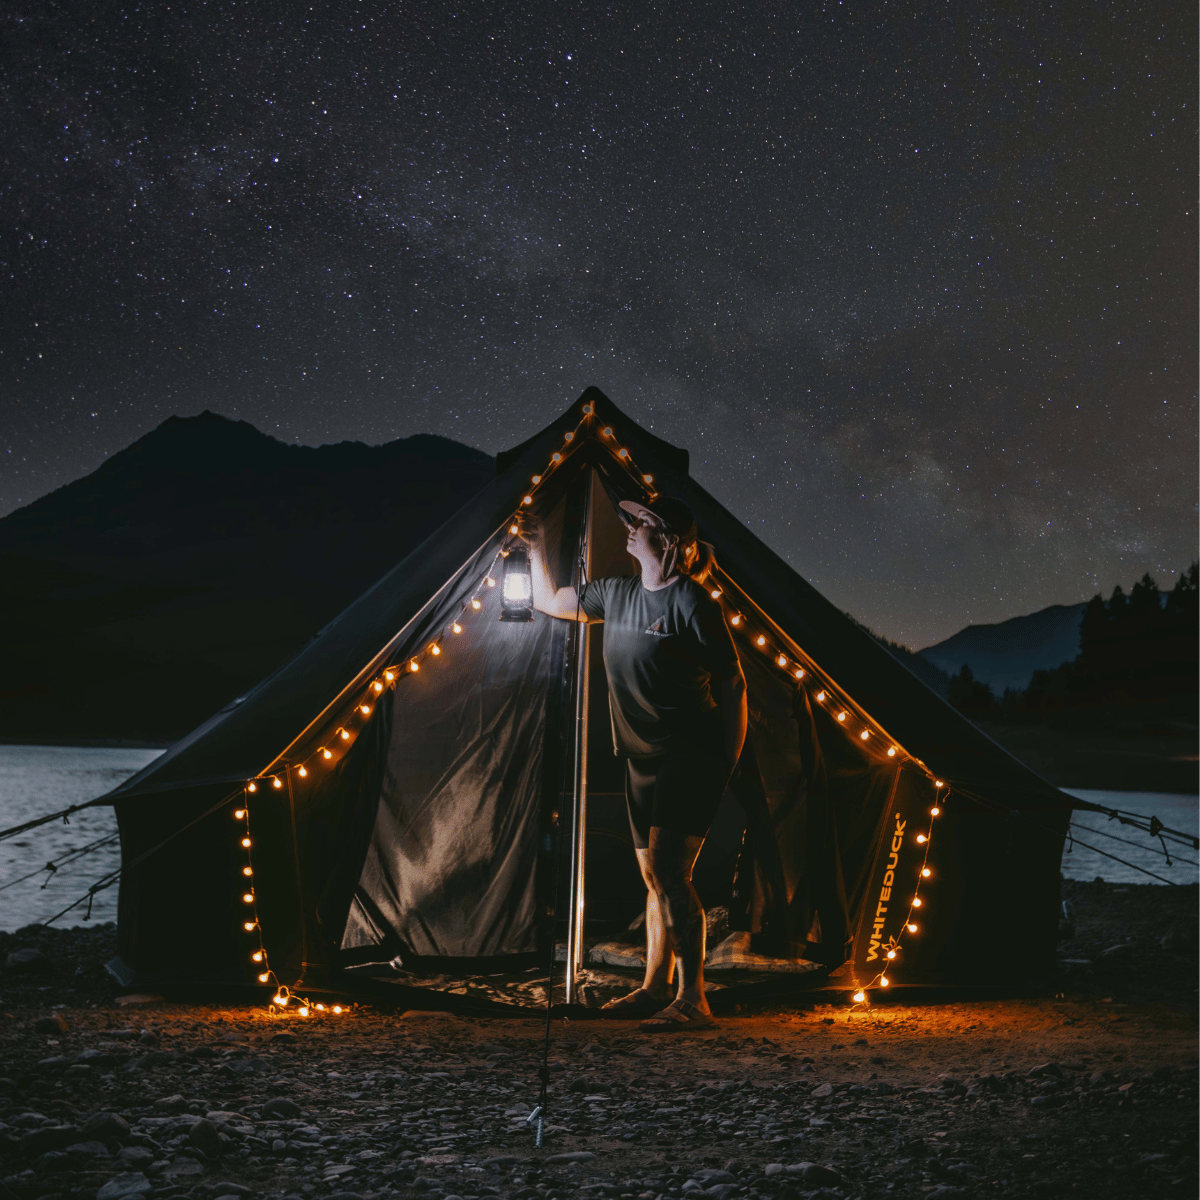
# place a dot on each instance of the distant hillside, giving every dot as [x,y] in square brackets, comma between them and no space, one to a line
[142,597]
[1006,655]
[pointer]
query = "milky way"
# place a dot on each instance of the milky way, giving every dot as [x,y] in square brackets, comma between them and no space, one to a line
[915,283]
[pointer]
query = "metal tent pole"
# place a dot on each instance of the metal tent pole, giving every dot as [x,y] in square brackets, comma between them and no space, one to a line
[579,808]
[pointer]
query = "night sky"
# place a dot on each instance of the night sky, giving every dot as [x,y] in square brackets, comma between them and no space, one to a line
[915,283]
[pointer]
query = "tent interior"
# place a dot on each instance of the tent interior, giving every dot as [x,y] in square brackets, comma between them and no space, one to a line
[405,791]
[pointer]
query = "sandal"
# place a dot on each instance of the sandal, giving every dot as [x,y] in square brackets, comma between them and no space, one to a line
[678,1015]
[639,1003]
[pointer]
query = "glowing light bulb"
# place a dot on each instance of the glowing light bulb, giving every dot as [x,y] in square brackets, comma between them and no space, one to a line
[926,872]
[891,954]
[476,604]
[527,500]
[490,581]
[841,716]
[435,649]
[337,1008]
[238,814]
[345,735]
[762,641]
[622,453]
[377,686]
[735,619]
[247,870]
[607,431]
[326,753]
[264,976]
[413,665]
[537,479]
[456,627]
[715,593]
[647,478]
[252,787]
[859,997]
[916,902]
[912,928]
[568,437]
[866,733]
[883,981]
[920,839]
[891,752]
[320,1008]
[246,842]
[513,529]
[782,661]
[935,811]
[302,772]
[303,1010]
[588,409]
[256,956]
[556,457]
[799,672]
[248,898]
[820,695]
[280,1000]
[365,709]
[389,676]
[938,783]
[248,926]
[277,782]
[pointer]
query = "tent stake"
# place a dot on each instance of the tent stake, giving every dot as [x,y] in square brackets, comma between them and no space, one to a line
[579,807]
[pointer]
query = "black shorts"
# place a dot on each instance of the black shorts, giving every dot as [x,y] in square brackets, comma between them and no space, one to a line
[679,791]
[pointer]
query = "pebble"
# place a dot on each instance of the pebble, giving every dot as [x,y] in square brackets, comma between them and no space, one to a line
[204,1136]
[105,1125]
[171,1104]
[281,1107]
[132,1184]
[134,1156]
[26,958]
[54,1024]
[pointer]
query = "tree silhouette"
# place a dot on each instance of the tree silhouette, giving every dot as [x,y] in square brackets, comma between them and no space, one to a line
[1144,601]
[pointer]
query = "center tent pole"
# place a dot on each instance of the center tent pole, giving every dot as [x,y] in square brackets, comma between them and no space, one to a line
[579,808]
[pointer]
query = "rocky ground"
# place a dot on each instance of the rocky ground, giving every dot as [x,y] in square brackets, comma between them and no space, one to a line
[1089,1088]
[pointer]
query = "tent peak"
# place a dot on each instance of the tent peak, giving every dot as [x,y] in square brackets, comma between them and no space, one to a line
[661,452]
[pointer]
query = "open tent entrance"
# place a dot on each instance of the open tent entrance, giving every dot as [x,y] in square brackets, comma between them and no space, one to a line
[500,797]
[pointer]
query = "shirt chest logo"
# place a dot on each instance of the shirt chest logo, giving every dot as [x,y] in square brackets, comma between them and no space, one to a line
[659,629]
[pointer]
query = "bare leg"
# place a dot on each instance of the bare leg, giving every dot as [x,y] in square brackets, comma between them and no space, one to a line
[667,868]
[660,959]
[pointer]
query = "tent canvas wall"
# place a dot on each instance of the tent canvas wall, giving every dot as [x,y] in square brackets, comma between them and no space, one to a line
[398,786]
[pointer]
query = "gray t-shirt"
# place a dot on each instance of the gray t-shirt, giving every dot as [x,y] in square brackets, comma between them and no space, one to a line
[664,652]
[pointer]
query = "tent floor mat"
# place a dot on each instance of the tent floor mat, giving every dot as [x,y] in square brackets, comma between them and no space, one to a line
[595,986]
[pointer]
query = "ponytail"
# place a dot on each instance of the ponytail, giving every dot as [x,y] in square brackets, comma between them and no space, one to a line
[699,561]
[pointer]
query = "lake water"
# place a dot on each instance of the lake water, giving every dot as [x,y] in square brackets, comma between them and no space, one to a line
[42,779]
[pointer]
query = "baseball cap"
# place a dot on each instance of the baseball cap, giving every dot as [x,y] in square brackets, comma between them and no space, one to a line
[672,514]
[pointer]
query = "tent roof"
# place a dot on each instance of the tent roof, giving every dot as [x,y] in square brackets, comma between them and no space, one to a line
[248,735]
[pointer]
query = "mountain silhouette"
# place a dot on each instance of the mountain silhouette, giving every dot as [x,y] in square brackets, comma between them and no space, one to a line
[145,595]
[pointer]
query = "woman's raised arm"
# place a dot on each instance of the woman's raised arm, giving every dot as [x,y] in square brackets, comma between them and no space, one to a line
[548,598]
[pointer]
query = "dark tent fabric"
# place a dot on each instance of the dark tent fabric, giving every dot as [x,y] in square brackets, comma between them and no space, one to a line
[400,788]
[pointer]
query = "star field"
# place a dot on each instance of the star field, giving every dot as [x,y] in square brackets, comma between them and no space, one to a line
[914,283]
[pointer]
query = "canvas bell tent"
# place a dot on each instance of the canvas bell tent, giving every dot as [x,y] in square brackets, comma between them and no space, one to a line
[429,785]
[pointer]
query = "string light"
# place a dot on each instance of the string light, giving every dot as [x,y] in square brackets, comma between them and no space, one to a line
[513,529]
[799,672]
[413,666]
[246,842]
[365,709]
[527,500]
[912,928]
[926,872]
[884,981]
[238,813]
[891,752]
[377,686]
[622,453]
[647,478]
[866,733]
[935,811]
[346,732]
[735,619]
[389,676]
[435,649]
[916,903]
[337,1008]
[490,581]
[841,716]
[938,783]
[556,457]
[607,431]
[537,479]
[249,926]
[762,641]
[302,772]
[257,956]
[920,839]
[326,753]
[303,1010]
[859,997]
[456,627]
[782,661]
[277,782]
[252,787]
[568,437]
[247,870]
[715,593]
[821,697]
[891,954]
[248,898]
[264,976]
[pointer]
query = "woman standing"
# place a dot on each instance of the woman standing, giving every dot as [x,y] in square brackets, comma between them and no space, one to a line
[677,698]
